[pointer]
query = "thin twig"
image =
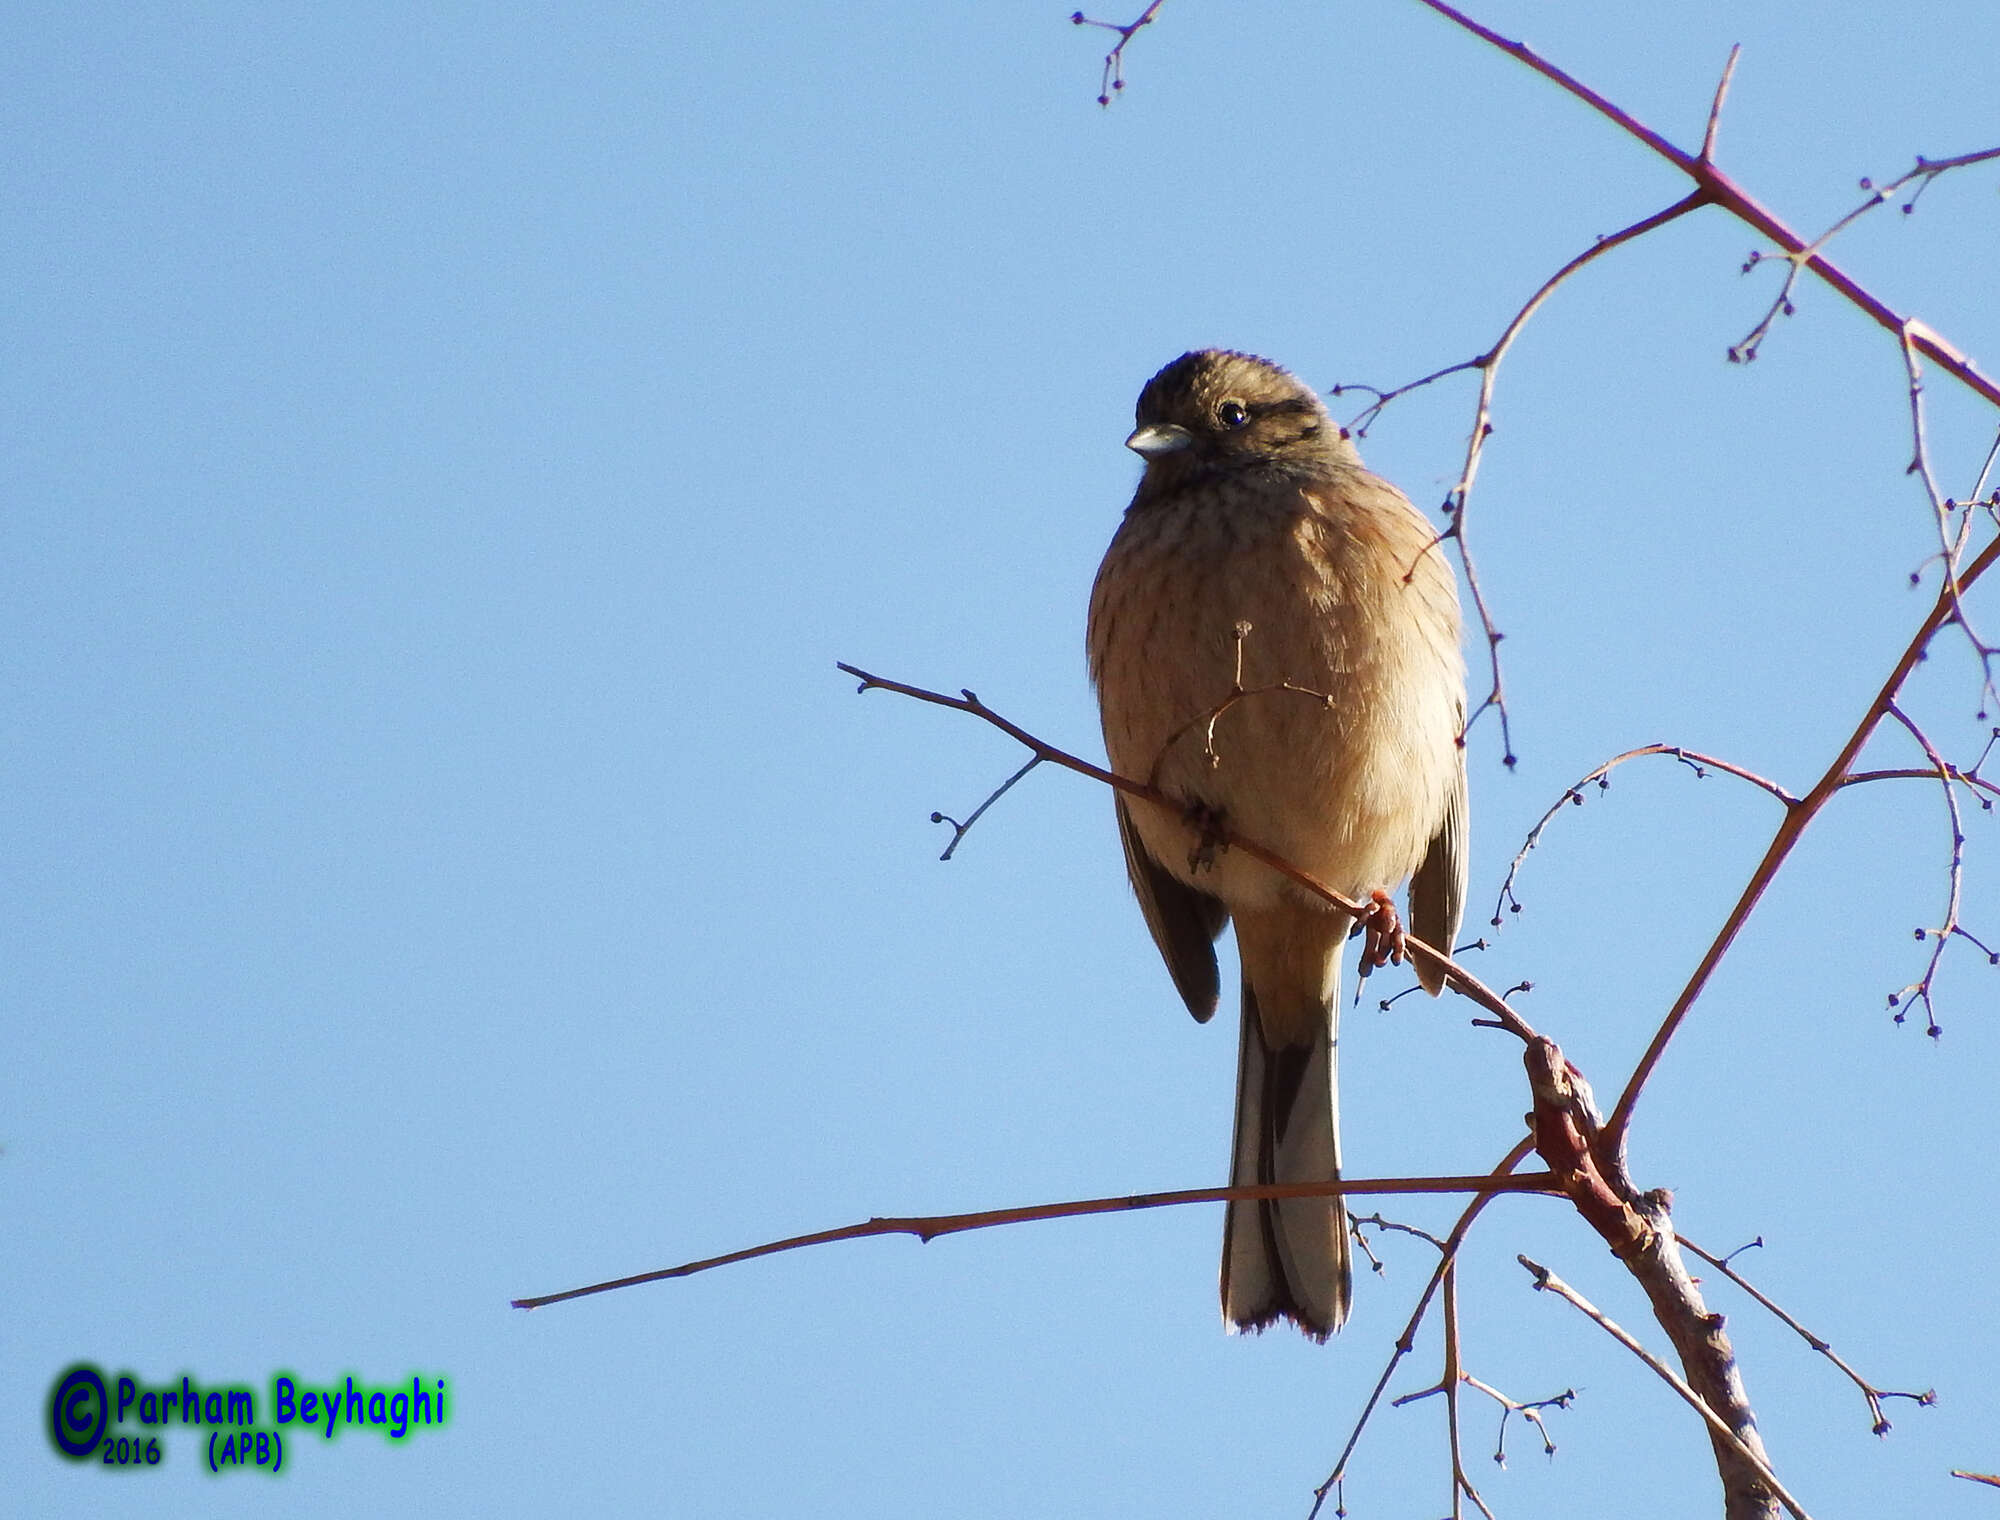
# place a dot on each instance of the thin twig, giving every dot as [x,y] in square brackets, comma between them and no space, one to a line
[1797,259]
[1964,776]
[1528,1409]
[960,830]
[1398,1227]
[1454,1375]
[1460,980]
[1985,474]
[1715,108]
[1406,1342]
[1694,760]
[1114,61]
[1237,693]
[928,1227]
[1944,933]
[1365,418]
[1951,544]
[1869,1391]
[1458,499]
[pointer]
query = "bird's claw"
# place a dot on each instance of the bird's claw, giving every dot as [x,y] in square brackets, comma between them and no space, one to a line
[1384,944]
[1209,833]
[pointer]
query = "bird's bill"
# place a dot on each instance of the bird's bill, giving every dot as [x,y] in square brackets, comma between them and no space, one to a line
[1159,438]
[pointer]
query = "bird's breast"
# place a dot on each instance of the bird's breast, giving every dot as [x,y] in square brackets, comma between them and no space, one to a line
[1327,730]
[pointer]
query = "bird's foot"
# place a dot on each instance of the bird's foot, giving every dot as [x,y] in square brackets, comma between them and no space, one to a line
[1209,834]
[1384,930]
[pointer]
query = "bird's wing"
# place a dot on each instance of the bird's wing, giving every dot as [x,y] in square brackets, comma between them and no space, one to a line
[1437,891]
[1184,921]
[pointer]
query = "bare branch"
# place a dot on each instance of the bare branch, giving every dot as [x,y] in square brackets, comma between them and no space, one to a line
[1458,499]
[928,1227]
[1715,109]
[1455,1376]
[1694,760]
[1790,828]
[1717,188]
[960,830]
[1869,1391]
[1529,1410]
[1365,418]
[1951,543]
[1944,933]
[1751,1455]
[1460,980]
[1237,692]
[1406,1342]
[1114,61]
[1926,171]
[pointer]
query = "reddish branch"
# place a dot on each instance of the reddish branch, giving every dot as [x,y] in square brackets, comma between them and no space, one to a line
[1798,815]
[1718,189]
[1460,979]
[1406,1342]
[928,1227]
[1586,1158]
[1586,1162]
[1589,1165]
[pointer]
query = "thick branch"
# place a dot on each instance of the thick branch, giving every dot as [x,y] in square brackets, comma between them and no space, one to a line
[1754,1499]
[1591,1168]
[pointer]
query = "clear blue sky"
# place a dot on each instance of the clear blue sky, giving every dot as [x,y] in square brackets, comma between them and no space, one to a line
[445,451]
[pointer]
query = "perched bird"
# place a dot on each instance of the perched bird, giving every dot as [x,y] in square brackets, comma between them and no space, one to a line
[1258,549]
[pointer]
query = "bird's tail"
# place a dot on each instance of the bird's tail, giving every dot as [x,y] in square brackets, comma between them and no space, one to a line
[1285,1258]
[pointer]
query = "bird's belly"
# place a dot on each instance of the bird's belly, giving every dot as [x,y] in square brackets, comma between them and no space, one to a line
[1339,752]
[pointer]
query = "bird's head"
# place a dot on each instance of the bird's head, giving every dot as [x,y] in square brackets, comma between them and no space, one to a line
[1216,410]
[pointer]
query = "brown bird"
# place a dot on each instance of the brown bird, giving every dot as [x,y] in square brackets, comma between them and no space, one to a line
[1255,510]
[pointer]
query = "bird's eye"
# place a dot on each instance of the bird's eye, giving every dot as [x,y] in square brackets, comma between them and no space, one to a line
[1232,414]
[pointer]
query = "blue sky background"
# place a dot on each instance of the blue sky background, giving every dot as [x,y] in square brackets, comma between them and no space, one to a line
[446,450]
